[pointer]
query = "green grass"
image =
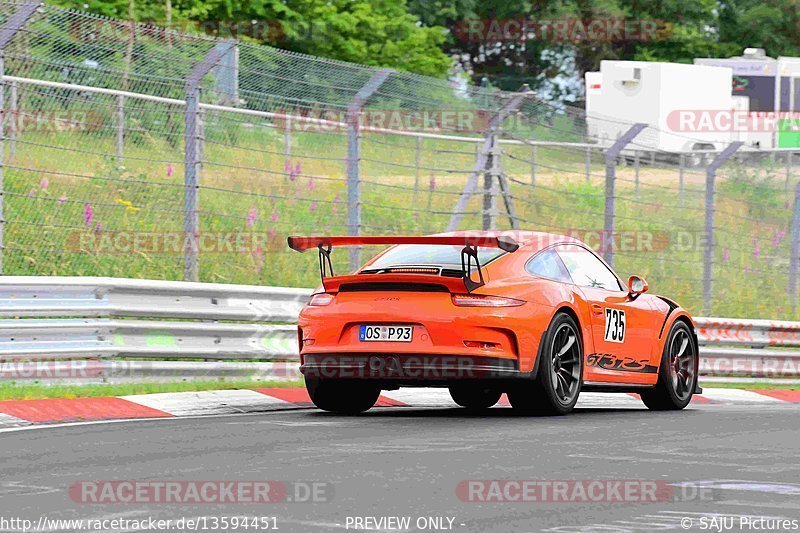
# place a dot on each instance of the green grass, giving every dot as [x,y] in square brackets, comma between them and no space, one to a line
[15,391]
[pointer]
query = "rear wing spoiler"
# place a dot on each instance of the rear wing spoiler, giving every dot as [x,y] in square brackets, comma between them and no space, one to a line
[469,252]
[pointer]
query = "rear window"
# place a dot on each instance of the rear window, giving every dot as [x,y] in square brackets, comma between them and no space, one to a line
[435,255]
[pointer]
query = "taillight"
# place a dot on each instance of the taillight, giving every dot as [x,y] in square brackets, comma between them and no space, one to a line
[476,300]
[321,299]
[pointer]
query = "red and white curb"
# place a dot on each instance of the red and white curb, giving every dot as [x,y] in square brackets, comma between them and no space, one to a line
[22,413]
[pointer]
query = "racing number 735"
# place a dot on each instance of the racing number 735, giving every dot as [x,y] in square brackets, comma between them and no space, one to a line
[615,325]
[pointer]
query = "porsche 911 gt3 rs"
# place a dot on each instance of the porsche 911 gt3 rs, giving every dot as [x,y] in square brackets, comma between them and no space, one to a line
[537,316]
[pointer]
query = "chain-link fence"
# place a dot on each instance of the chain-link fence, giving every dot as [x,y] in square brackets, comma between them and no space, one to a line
[136,151]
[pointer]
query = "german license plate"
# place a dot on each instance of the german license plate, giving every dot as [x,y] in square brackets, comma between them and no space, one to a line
[385,333]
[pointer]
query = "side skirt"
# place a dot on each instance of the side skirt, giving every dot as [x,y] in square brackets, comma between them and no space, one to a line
[599,386]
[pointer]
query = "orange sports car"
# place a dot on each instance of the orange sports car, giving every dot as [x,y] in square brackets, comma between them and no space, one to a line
[537,316]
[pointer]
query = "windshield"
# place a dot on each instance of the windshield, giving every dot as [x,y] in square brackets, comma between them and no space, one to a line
[436,255]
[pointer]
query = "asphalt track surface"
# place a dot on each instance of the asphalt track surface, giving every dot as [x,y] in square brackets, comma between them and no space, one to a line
[409,462]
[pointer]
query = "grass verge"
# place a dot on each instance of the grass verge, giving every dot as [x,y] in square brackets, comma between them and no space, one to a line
[16,391]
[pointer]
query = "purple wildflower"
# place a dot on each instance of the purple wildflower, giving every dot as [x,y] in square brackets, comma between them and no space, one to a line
[62,200]
[170,170]
[88,214]
[756,249]
[313,206]
[44,183]
[726,256]
[252,216]
[275,216]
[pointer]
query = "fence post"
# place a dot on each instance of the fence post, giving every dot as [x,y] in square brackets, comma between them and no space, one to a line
[13,24]
[482,160]
[681,165]
[354,159]
[417,162]
[120,118]
[794,259]
[708,252]
[611,189]
[588,164]
[287,147]
[201,141]
[191,159]
[13,109]
[490,183]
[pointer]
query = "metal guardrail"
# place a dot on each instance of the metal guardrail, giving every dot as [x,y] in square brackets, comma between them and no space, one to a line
[743,347]
[176,328]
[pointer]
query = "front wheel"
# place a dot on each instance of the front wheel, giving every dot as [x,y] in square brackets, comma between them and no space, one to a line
[677,374]
[341,396]
[475,397]
[558,382]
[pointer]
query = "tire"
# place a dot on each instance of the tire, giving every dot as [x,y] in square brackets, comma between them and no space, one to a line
[475,397]
[560,354]
[342,397]
[677,372]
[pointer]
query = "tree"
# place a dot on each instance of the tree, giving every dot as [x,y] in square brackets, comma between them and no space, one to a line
[372,32]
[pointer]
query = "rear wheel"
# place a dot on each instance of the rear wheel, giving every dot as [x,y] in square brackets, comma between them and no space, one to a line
[342,397]
[558,382]
[474,397]
[677,374]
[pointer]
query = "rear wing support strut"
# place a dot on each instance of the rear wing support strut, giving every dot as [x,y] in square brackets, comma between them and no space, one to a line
[325,261]
[468,255]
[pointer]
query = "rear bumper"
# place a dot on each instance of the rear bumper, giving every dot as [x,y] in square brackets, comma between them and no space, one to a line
[408,368]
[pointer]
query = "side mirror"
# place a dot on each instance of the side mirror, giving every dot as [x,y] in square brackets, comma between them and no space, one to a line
[636,286]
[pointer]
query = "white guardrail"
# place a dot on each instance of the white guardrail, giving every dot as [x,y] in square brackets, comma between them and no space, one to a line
[79,329]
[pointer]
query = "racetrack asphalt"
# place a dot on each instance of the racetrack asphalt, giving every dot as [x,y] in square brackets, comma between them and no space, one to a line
[409,462]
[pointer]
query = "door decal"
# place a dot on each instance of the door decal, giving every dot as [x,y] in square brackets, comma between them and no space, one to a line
[615,325]
[609,361]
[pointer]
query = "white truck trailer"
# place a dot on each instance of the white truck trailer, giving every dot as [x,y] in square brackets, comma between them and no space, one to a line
[676,99]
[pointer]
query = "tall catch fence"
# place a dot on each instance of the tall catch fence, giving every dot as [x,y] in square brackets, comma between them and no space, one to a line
[131,150]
